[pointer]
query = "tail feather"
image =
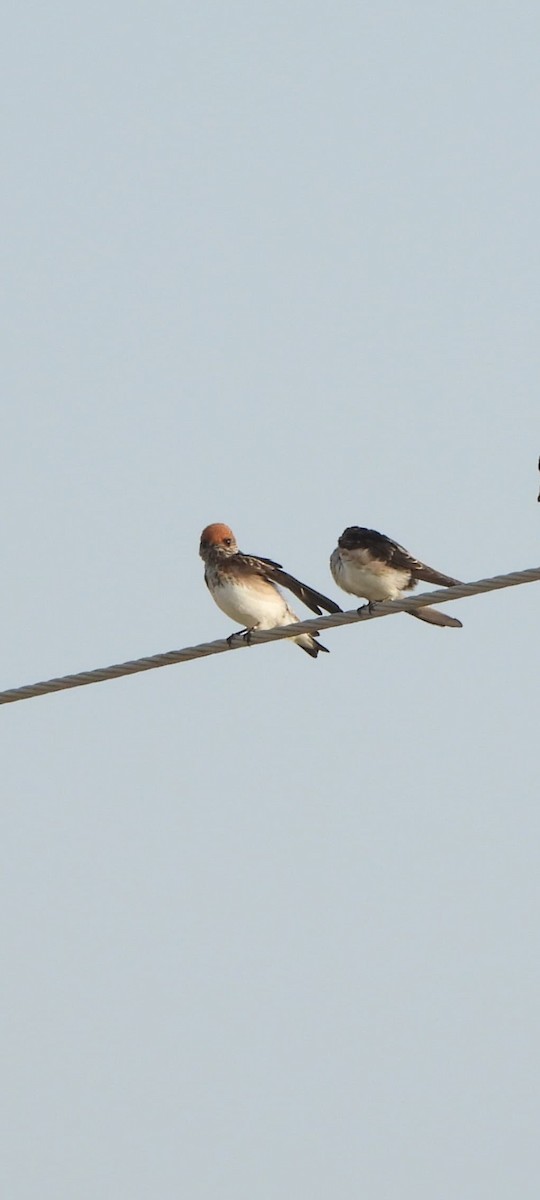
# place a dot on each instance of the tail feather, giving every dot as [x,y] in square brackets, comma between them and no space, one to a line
[434,617]
[311,646]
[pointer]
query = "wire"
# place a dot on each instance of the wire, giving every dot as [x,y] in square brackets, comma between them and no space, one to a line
[189,653]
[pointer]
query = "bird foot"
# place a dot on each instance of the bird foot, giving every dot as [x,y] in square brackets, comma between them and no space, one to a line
[365,609]
[245,634]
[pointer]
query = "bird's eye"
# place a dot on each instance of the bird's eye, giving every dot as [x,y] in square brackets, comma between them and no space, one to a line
[227,541]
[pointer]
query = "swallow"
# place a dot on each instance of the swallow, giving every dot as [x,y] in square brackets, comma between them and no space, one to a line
[245,587]
[369,564]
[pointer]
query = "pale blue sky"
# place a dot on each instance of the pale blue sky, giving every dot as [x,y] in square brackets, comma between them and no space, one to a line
[270,925]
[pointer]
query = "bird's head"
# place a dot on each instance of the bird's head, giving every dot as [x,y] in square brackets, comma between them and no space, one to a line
[217,540]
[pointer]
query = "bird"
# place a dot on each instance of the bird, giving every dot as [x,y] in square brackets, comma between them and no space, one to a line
[369,564]
[245,587]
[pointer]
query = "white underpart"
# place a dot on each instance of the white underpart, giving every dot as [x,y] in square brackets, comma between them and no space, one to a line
[360,579]
[256,607]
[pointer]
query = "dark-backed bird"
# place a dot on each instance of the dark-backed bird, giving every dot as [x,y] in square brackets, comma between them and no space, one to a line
[369,564]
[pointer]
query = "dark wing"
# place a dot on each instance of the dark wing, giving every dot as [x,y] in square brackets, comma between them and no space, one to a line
[268,561]
[390,552]
[275,573]
[312,599]
[428,575]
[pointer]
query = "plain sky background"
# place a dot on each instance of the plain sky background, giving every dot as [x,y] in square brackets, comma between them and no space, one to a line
[269,925]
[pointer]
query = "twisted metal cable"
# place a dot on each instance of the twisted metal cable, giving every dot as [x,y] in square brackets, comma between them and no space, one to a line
[102,674]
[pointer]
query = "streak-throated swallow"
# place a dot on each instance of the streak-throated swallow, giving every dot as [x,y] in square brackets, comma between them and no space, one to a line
[244,587]
[369,564]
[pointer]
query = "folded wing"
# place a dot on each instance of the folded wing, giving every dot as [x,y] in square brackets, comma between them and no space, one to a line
[397,556]
[309,596]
